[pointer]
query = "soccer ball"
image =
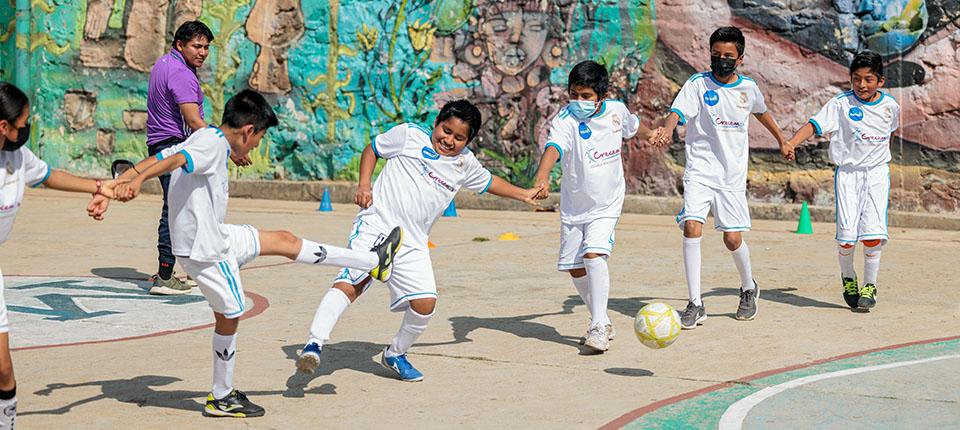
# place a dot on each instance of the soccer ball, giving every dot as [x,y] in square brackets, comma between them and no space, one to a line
[657,325]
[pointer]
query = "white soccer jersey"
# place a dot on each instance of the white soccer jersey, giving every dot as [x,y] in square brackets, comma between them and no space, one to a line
[592,186]
[197,197]
[716,115]
[861,130]
[417,183]
[17,168]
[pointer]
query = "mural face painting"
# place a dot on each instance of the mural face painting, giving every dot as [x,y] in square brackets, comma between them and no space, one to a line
[341,71]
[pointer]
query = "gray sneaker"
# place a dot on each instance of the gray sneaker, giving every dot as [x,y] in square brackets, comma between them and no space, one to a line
[597,339]
[692,315]
[168,287]
[610,333]
[748,303]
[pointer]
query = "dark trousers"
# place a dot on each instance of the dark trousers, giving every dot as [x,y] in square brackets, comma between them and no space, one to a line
[163,231]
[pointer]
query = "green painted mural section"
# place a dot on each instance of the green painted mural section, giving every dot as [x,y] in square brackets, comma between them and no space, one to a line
[338,71]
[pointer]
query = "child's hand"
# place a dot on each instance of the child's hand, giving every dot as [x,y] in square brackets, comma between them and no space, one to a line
[98,206]
[127,191]
[788,151]
[530,195]
[241,161]
[657,136]
[544,187]
[363,196]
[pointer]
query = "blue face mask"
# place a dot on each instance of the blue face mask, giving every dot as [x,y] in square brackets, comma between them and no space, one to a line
[582,109]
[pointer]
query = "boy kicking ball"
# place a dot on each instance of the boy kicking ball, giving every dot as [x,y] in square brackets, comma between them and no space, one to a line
[716,106]
[212,252]
[862,122]
[424,170]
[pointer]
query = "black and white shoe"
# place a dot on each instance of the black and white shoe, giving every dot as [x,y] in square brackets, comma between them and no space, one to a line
[386,251]
[234,405]
[692,316]
[747,310]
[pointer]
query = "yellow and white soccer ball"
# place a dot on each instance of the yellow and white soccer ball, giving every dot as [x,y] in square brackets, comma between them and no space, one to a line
[657,325]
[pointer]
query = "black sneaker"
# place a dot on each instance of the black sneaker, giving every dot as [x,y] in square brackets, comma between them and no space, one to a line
[692,315]
[851,292]
[748,303]
[234,405]
[868,296]
[386,250]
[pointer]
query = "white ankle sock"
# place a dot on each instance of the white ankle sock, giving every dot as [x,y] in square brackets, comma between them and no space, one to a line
[845,256]
[583,288]
[741,258]
[8,410]
[334,303]
[315,253]
[871,263]
[691,266]
[598,281]
[224,360]
[411,328]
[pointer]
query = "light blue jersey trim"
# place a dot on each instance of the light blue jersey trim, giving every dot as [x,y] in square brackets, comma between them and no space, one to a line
[730,85]
[816,125]
[488,185]
[696,76]
[232,283]
[683,119]
[564,113]
[160,156]
[217,129]
[866,103]
[373,145]
[45,176]
[419,127]
[189,166]
[603,108]
[555,145]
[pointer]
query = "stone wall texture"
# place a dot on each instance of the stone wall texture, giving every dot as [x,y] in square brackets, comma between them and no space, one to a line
[341,71]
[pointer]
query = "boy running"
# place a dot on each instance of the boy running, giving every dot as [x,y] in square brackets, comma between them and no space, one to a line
[862,122]
[716,107]
[423,172]
[586,137]
[212,252]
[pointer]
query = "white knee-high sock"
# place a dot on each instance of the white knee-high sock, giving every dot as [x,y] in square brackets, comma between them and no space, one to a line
[583,288]
[871,263]
[845,256]
[334,303]
[691,266]
[741,258]
[8,408]
[598,282]
[224,360]
[411,328]
[316,253]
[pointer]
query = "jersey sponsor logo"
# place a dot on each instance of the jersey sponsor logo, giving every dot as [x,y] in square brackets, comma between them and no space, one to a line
[870,139]
[585,131]
[604,155]
[440,181]
[855,113]
[6,208]
[711,98]
[429,153]
[724,123]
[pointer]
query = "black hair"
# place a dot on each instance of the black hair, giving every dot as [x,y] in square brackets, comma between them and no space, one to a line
[729,34]
[590,74]
[12,102]
[463,110]
[249,107]
[190,29]
[867,59]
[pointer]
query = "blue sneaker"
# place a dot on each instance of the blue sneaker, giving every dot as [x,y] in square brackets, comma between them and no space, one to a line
[309,359]
[401,366]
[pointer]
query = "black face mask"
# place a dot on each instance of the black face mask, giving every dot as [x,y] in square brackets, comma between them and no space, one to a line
[722,67]
[23,134]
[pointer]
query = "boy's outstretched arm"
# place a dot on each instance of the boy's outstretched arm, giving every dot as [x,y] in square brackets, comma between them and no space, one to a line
[542,181]
[364,194]
[152,169]
[771,125]
[499,187]
[804,133]
[666,132]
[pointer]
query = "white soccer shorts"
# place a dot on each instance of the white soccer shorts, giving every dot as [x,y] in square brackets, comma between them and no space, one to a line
[596,237]
[730,211]
[220,282]
[862,197]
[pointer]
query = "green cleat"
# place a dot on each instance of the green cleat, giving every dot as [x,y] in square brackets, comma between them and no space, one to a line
[851,292]
[868,296]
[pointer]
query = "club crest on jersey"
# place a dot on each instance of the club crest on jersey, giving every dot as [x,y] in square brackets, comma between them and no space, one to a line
[585,131]
[888,114]
[617,123]
[429,153]
[855,113]
[743,100]
[711,98]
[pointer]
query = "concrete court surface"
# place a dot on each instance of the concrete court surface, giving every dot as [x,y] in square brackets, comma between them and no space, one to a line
[501,350]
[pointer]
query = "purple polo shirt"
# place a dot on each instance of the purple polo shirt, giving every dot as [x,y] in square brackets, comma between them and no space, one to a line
[172,82]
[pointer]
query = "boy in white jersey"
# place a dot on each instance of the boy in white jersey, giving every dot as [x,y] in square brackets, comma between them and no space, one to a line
[862,122]
[213,252]
[423,172]
[716,107]
[19,167]
[586,137]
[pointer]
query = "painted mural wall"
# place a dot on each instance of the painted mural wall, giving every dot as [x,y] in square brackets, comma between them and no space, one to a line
[341,71]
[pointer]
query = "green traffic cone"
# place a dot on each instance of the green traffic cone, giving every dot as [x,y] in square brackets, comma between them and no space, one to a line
[804,226]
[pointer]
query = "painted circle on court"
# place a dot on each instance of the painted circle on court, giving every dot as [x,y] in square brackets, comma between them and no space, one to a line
[60,311]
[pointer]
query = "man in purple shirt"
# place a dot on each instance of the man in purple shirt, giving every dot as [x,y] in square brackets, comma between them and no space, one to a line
[174,112]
